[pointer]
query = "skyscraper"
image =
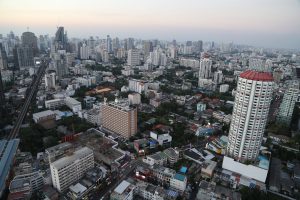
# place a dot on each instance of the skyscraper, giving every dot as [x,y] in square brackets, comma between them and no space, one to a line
[60,41]
[120,118]
[84,51]
[1,91]
[30,40]
[25,56]
[205,68]
[288,102]
[108,44]
[133,58]
[249,117]
[148,47]
[3,58]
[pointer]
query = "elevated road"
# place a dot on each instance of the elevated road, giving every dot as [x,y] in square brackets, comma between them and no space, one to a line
[31,91]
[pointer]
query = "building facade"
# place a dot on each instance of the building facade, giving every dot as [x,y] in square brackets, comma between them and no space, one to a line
[250,112]
[70,169]
[120,118]
[288,102]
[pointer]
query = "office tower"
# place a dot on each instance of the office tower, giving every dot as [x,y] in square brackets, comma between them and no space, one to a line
[218,77]
[133,58]
[205,68]
[250,112]
[120,118]
[200,45]
[71,168]
[60,63]
[60,40]
[25,56]
[3,58]
[148,47]
[108,44]
[138,86]
[288,102]
[173,52]
[129,44]
[2,99]
[115,43]
[189,43]
[174,43]
[84,51]
[91,45]
[30,40]
[50,80]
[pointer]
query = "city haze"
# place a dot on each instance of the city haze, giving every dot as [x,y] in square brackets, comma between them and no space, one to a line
[267,23]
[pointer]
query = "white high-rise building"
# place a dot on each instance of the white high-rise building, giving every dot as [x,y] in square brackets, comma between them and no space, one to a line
[288,102]
[69,169]
[50,80]
[84,52]
[133,58]
[205,68]
[218,77]
[138,86]
[250,113]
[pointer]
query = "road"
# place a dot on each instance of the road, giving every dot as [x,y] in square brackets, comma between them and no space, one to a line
[32,90]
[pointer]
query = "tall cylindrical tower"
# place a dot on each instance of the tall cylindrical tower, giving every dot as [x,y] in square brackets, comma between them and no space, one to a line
[250,112]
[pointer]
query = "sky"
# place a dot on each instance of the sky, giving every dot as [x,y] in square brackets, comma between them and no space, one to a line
[264,23]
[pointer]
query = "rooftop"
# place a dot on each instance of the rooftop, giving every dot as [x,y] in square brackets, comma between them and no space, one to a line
[256,75]
[180,177]
[43,113]
[72,158]
[122,187]
[78,188]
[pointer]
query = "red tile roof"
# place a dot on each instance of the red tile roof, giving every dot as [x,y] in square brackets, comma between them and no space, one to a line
[257,76]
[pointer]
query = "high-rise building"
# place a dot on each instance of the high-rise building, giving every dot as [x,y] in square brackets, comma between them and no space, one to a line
[60,63]
[148,47]
[218,77]
[60,41]
[120,118]
[3,58]
[30,40]
[84,51]
[249,117]
[50,79]
[116,43]
[129,43]
[1,91]
[25,56]
[71,168]
[288,102]
[133,58]
[205,68]
[108,44]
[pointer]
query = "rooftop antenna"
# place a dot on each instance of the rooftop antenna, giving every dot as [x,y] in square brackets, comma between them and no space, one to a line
[27,29]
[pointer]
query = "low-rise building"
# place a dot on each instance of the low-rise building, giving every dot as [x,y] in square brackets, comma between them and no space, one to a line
[162,139]
[163,174]
[149,191]
[158,158]
[54,104]
[208,168]
[172,155]
[43,116]
[178,182]
[73,104]
[124,191]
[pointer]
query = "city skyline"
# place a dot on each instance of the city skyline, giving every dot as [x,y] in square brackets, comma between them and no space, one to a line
[264,23]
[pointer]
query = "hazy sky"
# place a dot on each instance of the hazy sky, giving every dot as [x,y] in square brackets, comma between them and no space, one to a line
[269,23]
